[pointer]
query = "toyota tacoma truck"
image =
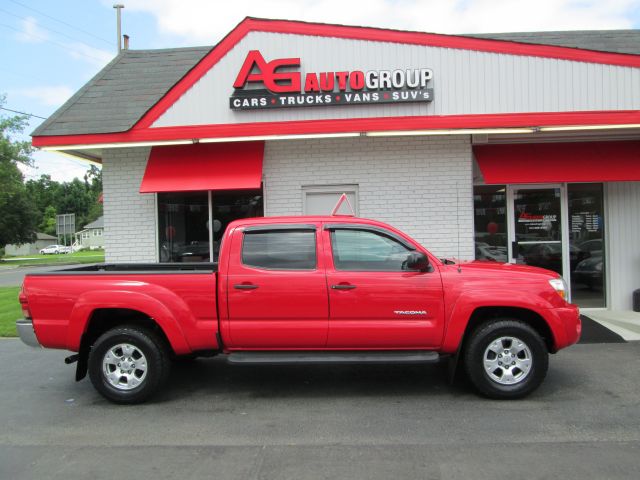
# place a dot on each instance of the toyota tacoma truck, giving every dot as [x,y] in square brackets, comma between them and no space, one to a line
[320,289]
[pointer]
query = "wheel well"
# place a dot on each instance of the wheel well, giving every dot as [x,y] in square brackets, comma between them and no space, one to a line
[104,319]
[484,314]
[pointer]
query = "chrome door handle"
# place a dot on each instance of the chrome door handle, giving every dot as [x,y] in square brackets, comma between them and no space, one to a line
[343,287]
[245,286]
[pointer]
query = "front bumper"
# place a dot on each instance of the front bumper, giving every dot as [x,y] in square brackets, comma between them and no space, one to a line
[27,333]
[569,318]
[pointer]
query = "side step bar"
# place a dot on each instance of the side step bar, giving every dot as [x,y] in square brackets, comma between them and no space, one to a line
[340,358]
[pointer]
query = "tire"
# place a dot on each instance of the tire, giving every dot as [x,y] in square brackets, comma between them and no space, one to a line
[506,359]
[117,351]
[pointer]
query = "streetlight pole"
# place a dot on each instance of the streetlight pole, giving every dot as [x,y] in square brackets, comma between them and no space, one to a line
[119,7]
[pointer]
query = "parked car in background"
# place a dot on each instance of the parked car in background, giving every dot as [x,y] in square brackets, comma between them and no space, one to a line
[589,271]
[484,251]
[55,249]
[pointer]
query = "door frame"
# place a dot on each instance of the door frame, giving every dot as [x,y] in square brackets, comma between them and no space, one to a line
[564,223]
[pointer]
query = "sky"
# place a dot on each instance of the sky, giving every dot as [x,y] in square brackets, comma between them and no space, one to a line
[49,50]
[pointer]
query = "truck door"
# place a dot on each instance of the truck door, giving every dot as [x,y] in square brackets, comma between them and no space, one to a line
[374,301]
[276,288]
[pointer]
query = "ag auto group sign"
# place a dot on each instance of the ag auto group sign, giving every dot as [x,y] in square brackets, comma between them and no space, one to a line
[284,86]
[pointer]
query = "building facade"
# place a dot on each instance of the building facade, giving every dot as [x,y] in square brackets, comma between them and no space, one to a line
[496,149]
[91,237]
[42,240]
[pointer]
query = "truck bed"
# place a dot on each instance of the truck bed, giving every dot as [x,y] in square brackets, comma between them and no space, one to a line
[180,298]
[134,268]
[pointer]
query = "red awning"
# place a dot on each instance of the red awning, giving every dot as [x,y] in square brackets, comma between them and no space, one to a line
[204,166]
[559,162]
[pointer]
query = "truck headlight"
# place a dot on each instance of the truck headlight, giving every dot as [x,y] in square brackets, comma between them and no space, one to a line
[560,286]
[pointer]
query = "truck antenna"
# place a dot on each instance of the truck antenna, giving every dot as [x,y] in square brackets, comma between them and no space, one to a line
[458,222]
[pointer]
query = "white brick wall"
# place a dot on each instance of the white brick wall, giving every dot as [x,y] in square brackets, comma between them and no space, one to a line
[129,216]
[422,185]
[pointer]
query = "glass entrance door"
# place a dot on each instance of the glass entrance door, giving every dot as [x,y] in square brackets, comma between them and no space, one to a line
[536,224]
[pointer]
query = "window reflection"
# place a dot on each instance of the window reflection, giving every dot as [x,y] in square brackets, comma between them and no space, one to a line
[490,218]
[230,206]
[586,230]
[183,221]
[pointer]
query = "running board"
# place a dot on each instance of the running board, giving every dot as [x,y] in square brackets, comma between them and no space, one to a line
[305,358]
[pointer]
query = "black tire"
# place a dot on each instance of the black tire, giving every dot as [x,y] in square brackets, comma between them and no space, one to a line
[147,346]
[492,382]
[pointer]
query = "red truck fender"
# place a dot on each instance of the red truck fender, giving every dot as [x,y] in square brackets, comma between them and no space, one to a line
[468,302]
[168,313]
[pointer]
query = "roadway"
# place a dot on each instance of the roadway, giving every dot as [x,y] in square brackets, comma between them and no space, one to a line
[215,420]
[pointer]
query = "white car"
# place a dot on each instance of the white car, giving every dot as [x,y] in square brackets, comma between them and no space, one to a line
[53,249]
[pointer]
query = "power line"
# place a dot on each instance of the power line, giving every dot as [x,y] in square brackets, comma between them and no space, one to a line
[75,39]
[45,39]
[23,75]
[22,113]
[62,22]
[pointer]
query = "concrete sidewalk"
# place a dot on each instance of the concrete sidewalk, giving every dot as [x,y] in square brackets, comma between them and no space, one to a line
[623,322]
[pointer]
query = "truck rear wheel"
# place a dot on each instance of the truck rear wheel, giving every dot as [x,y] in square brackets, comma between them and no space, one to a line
[128,364]
[506,359]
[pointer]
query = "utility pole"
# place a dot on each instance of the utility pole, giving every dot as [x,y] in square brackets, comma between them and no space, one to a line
[119,7]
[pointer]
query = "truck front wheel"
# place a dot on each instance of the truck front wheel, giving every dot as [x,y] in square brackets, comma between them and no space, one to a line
[506,359]
[128,364]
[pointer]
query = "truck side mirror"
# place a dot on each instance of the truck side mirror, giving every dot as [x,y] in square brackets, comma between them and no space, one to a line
[418,261]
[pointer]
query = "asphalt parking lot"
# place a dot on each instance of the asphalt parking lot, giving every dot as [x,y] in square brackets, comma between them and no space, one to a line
[228,422]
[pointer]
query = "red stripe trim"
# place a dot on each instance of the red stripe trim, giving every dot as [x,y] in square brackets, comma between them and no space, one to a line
[373,34]
[505,120]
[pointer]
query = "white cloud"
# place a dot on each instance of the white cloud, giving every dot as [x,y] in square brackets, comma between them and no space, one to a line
[205,21]
[31,31]
[52,96]
[60,167]
[95,56]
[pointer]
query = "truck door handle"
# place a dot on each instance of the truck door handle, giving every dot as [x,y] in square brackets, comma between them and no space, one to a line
[245,286]
[343,286]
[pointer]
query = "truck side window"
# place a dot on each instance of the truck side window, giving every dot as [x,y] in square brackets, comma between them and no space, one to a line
[359,250]
[280,250]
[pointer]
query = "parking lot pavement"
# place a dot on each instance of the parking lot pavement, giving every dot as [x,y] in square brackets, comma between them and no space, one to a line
[13,276]
[349,422]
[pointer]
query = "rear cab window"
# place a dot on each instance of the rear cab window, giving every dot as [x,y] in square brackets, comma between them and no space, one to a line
[280,247]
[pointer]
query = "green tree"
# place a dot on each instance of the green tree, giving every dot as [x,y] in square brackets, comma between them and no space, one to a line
[18,216]
[93,183]
[48,224]
[43,192]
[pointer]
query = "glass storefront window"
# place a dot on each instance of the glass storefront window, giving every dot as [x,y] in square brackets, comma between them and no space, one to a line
[537,220]
[182,226]
[230,206]
[586,233]
[490,218]
[183,221]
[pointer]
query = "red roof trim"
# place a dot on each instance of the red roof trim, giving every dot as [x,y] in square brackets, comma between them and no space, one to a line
[506,120]
[373,34]
[142,132]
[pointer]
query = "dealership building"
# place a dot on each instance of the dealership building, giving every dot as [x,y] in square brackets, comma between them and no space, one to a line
[520,147]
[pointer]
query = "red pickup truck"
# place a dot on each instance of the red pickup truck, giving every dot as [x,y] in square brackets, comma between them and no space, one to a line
[328,289]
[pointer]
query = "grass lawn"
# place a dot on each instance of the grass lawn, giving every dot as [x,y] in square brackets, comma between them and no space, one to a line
[85,256]
[10,311]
